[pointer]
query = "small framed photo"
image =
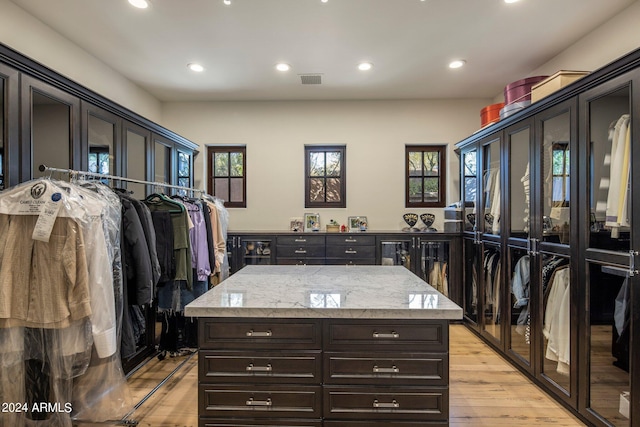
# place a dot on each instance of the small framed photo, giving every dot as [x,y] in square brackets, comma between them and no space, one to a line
[312,222]
[358,223]
[296,224]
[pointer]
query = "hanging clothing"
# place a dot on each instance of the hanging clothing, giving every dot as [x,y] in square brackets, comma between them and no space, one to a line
[619,173]
[557,320]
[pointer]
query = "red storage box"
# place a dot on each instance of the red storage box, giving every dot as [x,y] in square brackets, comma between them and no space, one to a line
[490,114]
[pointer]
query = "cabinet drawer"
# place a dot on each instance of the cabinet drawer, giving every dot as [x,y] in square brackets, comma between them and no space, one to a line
[387,335]
[227,333]
[419,369]
[264,401]
[300,261]
[303,239]
[387,423]
[351,252]
[354,261]
[387,403]
[311,251]
[351,239]
[266,422]
[263,367]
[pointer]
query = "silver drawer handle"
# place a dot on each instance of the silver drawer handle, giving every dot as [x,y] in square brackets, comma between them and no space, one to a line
[252,402]
[351,240]
[350,251]
[301,251]
[300,240]
[393,334]
[253,333]
[252,368]
[392,370]
[392,404]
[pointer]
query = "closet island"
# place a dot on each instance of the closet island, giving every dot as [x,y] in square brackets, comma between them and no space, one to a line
[323,346]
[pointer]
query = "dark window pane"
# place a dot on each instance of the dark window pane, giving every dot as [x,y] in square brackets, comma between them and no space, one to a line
[221,188]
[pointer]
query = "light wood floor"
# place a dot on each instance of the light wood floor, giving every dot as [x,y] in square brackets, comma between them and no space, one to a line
[484,391]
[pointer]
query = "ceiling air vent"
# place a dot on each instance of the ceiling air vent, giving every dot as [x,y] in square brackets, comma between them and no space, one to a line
[311,79]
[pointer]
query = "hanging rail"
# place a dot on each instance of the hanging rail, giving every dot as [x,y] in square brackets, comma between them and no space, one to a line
[73,172]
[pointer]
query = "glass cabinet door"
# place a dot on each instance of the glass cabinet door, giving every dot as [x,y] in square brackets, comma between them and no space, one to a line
[518,309]
[397,252]
[492,286]
[136,140]
[609,275]
[9,110]
[3,132]
[550,246]
[102,132]
[434,264]
[256,252]
[471,248]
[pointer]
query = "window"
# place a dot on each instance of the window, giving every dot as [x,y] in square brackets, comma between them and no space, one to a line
[184,169]
[99,159]
[325,176]
[425,175]
[227,174]
[560,190]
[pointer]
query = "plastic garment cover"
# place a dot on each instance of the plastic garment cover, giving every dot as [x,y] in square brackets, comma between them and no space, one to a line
[57,308]
[223,221]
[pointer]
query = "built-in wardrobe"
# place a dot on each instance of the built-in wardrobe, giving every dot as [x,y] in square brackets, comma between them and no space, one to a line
[48,119]
[551,277]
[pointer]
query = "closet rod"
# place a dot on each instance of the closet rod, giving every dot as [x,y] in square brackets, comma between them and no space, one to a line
[44,168]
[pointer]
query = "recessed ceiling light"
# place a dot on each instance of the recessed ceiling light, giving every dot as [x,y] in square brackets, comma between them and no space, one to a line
[457,63]
[324,1]
[140,4]
[283,67]
[195,67]
[511,1]
[227,2]
[365,66]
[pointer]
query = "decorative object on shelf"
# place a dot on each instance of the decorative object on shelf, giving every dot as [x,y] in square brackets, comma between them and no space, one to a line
[358,223]
[471,217]
[343,228]
[428,219]
[296,224]
[411,219]
[312,222]
[333,227]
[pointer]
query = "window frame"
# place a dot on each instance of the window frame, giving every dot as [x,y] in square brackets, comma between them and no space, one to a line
[325,148]
[441,149]
[211,149]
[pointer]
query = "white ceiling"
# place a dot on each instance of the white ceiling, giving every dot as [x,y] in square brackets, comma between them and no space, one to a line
[410,43]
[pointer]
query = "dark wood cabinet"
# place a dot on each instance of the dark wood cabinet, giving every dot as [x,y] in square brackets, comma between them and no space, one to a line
[550,247]
[328,372]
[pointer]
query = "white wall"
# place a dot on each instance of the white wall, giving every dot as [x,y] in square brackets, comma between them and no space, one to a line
[375,133]
[29,36]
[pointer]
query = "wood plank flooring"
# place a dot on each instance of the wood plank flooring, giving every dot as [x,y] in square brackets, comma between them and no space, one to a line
[485,391]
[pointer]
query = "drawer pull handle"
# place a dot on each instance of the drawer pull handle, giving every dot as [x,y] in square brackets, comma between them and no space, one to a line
[301,240]
[253,333]
[301,251]
[252,368]
[350,251]
[391,335]
[389,405]
[392,370]
[351,240]
[252,402]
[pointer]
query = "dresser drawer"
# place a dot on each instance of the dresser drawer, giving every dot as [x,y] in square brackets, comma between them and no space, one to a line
[429,404]
[229,333]
[266,422]
[387,335]
[351,239]
[260,401]
[419,369]
[387,423]
[310,251]
[351,261]
[262,367]
[301,240]
[300,261]
[351,252]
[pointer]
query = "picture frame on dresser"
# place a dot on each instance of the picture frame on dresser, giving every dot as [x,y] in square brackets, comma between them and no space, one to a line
[358,223]
[311,222]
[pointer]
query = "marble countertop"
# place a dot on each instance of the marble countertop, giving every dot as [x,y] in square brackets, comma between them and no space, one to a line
[368,292]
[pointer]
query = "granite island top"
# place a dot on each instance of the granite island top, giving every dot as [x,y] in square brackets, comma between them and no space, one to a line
[359,292]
